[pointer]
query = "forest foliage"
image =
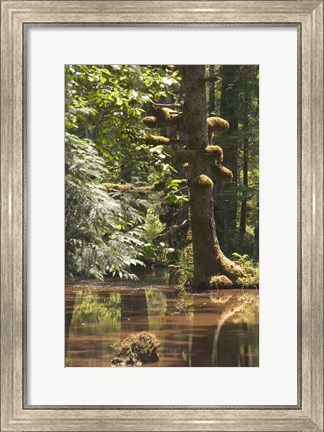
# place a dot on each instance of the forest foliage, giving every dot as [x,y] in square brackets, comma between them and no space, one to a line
[114,232]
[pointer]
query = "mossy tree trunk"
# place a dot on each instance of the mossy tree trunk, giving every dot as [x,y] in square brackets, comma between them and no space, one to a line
[208,257]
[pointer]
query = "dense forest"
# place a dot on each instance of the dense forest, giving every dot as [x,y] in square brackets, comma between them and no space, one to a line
[162,170]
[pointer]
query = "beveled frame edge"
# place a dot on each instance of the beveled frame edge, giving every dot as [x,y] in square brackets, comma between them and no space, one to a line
[306,14]
[30,25]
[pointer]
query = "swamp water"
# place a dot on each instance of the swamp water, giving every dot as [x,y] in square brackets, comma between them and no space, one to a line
[213,328]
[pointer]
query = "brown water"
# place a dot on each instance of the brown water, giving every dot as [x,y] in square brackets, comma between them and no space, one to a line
[214,328]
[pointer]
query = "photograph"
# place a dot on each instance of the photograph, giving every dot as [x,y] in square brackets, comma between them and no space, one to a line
[161,215]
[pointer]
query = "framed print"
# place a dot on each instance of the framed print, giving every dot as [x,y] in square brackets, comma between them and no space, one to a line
[120,355]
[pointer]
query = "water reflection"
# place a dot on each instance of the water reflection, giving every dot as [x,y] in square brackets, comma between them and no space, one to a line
[208,329]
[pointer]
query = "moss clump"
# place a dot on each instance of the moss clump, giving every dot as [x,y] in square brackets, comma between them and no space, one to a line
[164,117]
[217,124]
[150,121]
[201,182]
[220,282]
[222,173]
[140,347]
[164,114]
[214,153]
[156,186]
[167,115]
[156,140]
[117,186]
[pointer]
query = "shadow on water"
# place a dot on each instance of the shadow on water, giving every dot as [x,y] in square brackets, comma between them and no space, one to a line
[214,328]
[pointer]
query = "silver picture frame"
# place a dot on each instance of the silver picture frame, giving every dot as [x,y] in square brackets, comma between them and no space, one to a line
[16,18]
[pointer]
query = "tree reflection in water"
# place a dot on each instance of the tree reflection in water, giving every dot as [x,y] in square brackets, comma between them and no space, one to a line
[241,308]
[206,329]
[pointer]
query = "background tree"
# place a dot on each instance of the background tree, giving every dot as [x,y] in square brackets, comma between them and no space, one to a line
[236,207]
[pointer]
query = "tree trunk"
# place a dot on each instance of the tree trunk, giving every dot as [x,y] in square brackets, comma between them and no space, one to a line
[229,110]
[208,257]
[245,125]
[211,92]
[245,184]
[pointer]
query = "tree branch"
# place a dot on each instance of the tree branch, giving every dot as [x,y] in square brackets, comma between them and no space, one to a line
[157,186]
[173,229]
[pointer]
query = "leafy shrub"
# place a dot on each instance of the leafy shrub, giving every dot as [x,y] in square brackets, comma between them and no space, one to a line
[250,279]
[95,241]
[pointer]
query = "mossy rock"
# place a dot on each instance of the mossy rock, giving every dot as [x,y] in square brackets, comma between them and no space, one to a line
[140,347]
[220,282]
[214,282]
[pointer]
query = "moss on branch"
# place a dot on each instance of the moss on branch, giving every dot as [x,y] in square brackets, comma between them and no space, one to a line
[165,114]
[156,186]
[164,117]
[157,140]
[217,124]
[201,182]
[222,173]
[150,122]
[214,153]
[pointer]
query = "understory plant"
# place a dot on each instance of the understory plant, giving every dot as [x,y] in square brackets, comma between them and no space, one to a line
[97,238]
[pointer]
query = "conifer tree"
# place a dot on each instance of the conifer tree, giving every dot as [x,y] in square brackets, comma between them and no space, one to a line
[204,167]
